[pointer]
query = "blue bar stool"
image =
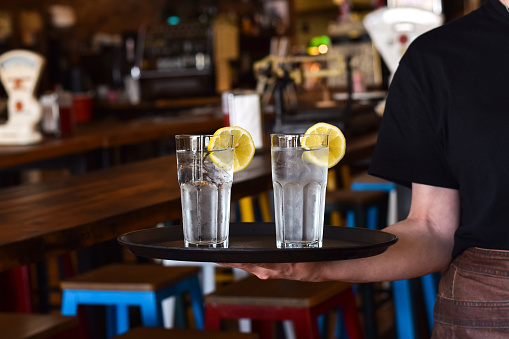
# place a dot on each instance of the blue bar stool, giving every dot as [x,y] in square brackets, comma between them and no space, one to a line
[361,209]
[366,182]
[119,286]
[403,306]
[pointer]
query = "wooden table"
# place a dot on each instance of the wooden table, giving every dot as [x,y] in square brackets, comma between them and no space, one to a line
[107,134]
[39,221]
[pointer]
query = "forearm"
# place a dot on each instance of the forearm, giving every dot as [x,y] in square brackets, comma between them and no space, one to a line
[426,239]
[420,250]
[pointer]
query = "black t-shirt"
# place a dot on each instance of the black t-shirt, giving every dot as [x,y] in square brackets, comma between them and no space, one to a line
[446,122]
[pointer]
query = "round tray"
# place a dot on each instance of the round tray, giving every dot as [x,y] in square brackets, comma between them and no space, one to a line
[256,243]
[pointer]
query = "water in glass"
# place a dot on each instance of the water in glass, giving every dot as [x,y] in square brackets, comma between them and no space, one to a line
[299,194]
[205,191]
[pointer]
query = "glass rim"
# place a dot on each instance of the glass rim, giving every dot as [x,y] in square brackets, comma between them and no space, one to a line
[295,134]
[298,141]
[201,135]
[201,142]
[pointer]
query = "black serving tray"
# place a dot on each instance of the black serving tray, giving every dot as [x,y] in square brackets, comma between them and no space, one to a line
[256,243]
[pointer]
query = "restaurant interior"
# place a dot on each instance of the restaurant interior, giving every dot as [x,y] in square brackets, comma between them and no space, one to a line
[112,82]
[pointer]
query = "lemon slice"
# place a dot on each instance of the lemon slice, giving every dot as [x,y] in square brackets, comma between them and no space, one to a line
[337,142]
[315,149]
[243,147]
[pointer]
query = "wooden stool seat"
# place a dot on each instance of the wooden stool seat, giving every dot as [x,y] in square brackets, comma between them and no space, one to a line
[129,277]
[271,300]
[345,199]
[364,177]
[118,286]
[161,333]
[254,291]
[34,326]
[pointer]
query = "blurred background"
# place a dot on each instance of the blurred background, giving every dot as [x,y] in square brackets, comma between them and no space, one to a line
[187,48]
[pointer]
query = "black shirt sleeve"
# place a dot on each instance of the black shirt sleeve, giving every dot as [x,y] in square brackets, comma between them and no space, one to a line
[413,133]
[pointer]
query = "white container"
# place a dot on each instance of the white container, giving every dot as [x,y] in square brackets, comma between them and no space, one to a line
[243,108]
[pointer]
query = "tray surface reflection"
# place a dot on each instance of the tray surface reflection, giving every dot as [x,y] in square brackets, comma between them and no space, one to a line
[256,242]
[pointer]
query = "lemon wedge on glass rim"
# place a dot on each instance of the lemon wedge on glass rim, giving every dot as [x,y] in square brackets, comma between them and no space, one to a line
[337,142]
[243,147]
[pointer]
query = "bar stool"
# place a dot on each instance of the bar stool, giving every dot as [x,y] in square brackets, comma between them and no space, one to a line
[161,333]
[264,301]
[37,326]
[119,286]
[366,182]
[207,278]
[362,209]
[401,289]
[247,212]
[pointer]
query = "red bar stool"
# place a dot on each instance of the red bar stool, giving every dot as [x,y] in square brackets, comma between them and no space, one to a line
[264,301]
[161,333]
[19,297]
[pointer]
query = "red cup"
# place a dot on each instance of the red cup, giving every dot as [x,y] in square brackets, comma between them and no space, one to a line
[82,104]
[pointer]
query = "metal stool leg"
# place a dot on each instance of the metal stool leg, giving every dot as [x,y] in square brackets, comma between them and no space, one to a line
[69,304]
[197,303]
[429,290]
[122,318]
[405,325]
[151,313]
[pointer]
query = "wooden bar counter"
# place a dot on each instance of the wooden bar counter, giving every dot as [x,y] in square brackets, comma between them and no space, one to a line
[107,134]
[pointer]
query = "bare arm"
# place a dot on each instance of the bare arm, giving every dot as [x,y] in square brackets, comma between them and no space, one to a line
[426,239]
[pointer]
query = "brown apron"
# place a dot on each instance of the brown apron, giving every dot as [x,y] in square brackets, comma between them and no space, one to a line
[473,297]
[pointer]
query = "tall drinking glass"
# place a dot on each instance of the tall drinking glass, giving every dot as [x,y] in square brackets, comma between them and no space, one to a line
[299,177]
[205,176]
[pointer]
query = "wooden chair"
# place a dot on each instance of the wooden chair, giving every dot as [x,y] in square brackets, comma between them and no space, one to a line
[119,286]
[37,326]
[265,301]
[161,333]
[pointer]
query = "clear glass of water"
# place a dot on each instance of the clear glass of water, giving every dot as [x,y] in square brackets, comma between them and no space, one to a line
[205,178]
[299,178]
